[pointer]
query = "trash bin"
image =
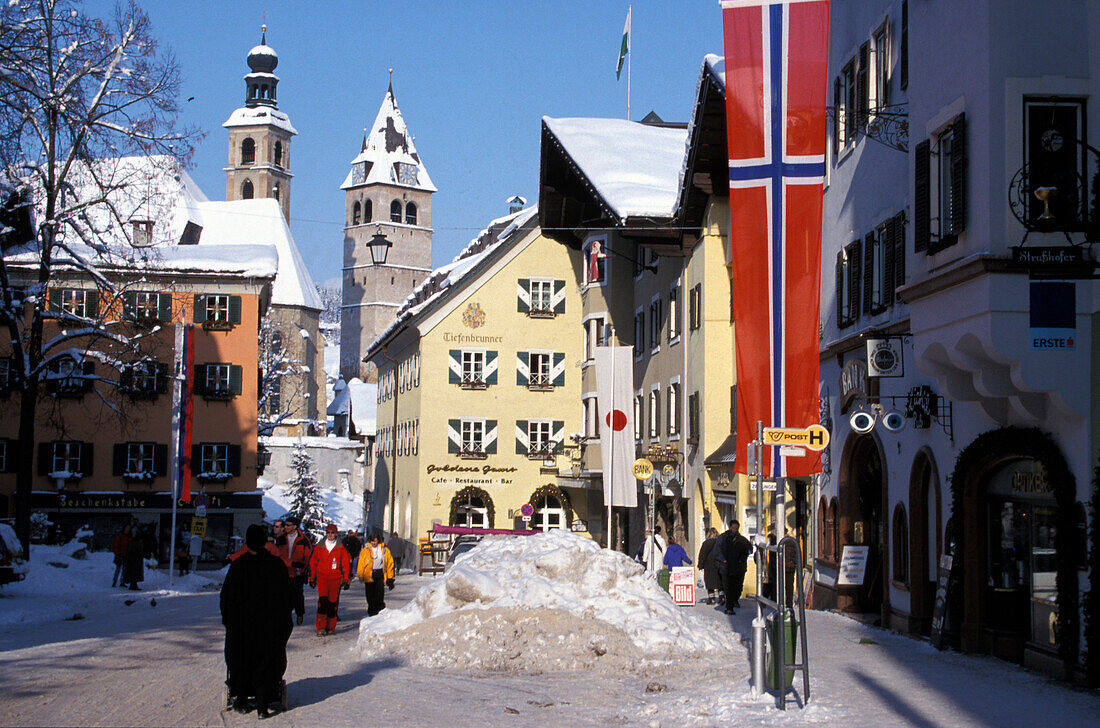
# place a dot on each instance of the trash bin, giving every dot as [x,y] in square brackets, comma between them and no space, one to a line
[662,578]
[791,638]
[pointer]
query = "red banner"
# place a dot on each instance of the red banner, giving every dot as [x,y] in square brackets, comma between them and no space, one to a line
[777,56]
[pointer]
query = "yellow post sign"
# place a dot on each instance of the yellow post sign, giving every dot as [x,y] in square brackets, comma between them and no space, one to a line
[642,468]
[814,437]
[198,527]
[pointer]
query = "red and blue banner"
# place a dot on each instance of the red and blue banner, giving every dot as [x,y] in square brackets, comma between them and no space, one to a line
[777,55]
[182,411]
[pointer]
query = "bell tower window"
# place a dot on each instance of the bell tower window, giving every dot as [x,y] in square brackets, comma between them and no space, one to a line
[275,191]
[247,192]
[395,211]
[368,211]
[248,151]
[410,213]
[355,211]
[278,153]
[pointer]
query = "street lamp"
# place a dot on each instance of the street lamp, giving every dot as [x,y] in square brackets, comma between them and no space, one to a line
[379,247]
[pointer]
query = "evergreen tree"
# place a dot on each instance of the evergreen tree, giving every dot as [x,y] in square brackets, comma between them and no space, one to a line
[305,494]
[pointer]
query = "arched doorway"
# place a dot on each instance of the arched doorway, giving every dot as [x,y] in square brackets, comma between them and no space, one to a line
[925,540]
[551,509]
[862,522]
[473,508]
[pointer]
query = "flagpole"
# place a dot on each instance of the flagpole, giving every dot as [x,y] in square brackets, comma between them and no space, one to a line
[629,42]
[174,471]
[611,426]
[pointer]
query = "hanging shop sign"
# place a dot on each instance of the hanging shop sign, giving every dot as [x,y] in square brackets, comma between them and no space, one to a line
[884,357]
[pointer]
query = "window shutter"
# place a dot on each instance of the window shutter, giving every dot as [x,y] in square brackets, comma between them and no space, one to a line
[454,366]
[522,440]
[45,458]
[557,370]
[235,379]
[854,279]
[958,174]
[6,447]
[160,459]
[557,432]
[199,383]
[234,309]
[160,384]
[234,460]
[863,87]
[164,306]
[840,292]
[838,100]
[129,305]
[126,376]
[200,308]
[91,304]
[454,437]
[523,368]
[922,197]
[523,295]
[899,250]
[868,273]
[118,459]
[559,296]
[85,459]
[888,263]
[55,299]
[196,459]
[491,367]
[490,441]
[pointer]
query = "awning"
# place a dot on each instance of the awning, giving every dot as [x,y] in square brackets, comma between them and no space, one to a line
[725,454]
[729,499]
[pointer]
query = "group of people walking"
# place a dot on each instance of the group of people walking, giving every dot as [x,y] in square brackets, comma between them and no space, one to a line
[130,549]
[264,587]
[722,557]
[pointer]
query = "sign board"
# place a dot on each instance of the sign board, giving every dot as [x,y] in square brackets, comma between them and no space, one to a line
[939,609]
[681,585]
[884,357]
[814,437]
[853,566]
[668,470]
[527,510]
[1052,315]
[198,528]
[792,451]
[200,511]
[526,520]
[642,469]
[749,522]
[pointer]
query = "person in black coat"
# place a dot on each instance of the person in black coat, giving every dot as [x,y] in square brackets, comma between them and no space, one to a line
[733,551]
[706,562]
[256,603]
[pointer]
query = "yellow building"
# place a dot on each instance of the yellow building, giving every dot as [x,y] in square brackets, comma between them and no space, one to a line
[479,389]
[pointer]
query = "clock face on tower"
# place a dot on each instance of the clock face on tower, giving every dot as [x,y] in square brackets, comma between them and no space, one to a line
[359,174]
[406,173]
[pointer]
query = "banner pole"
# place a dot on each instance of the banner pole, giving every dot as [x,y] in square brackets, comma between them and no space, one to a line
[174,470]
[760,559]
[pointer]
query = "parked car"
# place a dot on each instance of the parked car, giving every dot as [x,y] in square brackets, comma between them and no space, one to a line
[13,565]
[461,545]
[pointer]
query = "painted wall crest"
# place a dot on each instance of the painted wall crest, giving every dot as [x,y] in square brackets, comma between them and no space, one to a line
[473,316]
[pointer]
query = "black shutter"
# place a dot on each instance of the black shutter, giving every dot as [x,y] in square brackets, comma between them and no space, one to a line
[55,299]
[160,459]
[45,458]
[234,460]
[840,292]
[164,306]
[899,250]
[854,278]
[196,459]
[234,309]
[958,174]
[129,305]
[863,87]
[904,62]
[161,381]
[235,378]
[889,252]
[91,304]
[838,101]
[200,379]
[868,273]
[85,459]
[922,197]
[87,369]
[118,459]
[200,308]
[126,377]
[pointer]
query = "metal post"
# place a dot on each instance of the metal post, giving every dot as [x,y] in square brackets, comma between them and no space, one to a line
[758,622]
[780,508]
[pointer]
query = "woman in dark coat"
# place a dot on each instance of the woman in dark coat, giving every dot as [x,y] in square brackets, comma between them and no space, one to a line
[133,563]
[706,562]
[256,606]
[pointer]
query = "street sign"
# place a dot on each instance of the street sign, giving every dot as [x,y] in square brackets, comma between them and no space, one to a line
[200,511]
[814,437]
[792,451]
[527,510]
[198,528]
[643,469]
[853,566]
[668,470]
[681,585]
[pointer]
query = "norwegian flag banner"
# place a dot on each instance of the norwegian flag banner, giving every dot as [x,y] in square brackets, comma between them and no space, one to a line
[183,387]
[777,55]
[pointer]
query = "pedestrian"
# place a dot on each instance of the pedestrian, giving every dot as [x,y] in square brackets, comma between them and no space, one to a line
[653,550]
[771,577]
[706,562]
[329,572]
[183,543]
[351,544]
[133,563]
[194,551]
[255,608]
[119,546]
[734,550]
[376,570]
[296,549]
[675,554]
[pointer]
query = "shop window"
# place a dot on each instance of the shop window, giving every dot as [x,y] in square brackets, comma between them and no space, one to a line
[901,545]
[471,511]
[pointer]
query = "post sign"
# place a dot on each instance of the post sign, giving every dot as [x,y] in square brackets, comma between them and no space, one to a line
[853,566]
[198,528]
[681,585]
[642,468]
[814,437]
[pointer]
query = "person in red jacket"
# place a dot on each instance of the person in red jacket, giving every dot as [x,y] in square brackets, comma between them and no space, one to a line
[119,546]
[297,549]
[329,572]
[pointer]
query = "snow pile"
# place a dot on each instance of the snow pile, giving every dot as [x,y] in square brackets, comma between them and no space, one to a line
[552,601]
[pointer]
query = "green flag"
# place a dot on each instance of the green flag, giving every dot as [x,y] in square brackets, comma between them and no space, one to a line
[625,46]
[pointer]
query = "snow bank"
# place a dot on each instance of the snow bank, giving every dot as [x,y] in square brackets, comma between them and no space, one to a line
[552,601]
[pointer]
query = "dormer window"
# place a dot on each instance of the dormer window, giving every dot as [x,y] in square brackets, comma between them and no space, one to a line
[143,233]
[248,151]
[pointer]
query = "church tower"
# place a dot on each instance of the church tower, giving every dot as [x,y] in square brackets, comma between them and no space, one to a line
[259,135]
[387,191]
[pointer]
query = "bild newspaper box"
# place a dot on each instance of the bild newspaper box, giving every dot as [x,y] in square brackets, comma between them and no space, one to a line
[681,585]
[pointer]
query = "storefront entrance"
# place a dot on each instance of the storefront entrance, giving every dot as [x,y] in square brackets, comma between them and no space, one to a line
[861,523]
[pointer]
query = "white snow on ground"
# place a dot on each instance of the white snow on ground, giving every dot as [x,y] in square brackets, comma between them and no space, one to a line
[59,586]
[343,509]
[552,601]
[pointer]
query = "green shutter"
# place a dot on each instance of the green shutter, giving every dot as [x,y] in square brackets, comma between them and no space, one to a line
[160,459]
[454,366]
[234,460]
[91,304]
[161,381]
[490,373]
[55,299]
[200,308]
[164,306]
[129,304]
[521,446]
[524,363]
[85,459]
[234,309]
[235,379]
[196,459]
[453,447]
[118,459]
[45,458]
[557,360]
[524,285]
[199,381]
[126,376]
[491,447]
[559,306]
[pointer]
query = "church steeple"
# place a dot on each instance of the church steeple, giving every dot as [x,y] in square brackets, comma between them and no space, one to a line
[261,82]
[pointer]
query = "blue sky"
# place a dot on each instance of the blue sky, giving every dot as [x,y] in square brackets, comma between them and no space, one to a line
[472,79]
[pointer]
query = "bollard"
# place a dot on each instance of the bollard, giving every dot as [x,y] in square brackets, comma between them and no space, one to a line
[757,656]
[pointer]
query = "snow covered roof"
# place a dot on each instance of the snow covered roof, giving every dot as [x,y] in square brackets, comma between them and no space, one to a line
[634,167]
[359,400]
[259,115]
[387,147]
[716,66]
[251,261]
[495,237]
[260,220]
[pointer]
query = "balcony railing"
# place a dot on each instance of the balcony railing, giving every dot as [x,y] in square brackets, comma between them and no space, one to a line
[540,381]
[473,381]
[541,310]
[473,451]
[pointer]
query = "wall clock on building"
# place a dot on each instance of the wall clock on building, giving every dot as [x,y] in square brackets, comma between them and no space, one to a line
[359,174]
[406,173]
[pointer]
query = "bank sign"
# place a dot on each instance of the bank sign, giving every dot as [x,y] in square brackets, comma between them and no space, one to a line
[1053,315]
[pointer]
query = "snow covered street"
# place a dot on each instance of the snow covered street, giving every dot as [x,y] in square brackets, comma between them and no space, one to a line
[144,665]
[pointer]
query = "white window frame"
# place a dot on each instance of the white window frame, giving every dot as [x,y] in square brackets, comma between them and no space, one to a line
[674,314]
[591,415]
[74,301]
[606,260]
[217,377]
[66,456]
[655,412]
[542,373]
[880,68]
[146,305]
[473,436]
[674,406]
[473,516]
[541,294]
[540,434]
[473,366]
[143,376]
[217,307]
[140,457]
[639,411]
[640,332]
[593,328]
[541,520]
[214,457]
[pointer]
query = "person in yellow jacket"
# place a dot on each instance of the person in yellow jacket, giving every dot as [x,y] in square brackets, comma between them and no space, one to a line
[376,571]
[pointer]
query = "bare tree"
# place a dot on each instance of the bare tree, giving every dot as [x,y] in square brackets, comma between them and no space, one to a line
[77,94]
[282,377]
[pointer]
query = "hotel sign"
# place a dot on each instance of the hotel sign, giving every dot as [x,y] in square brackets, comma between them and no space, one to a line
[1055,258]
